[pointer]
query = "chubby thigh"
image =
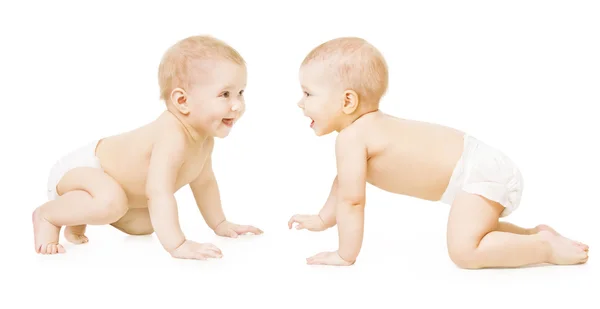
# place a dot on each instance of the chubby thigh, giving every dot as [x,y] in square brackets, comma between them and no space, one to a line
[88,195]
[471,218]
[108,202]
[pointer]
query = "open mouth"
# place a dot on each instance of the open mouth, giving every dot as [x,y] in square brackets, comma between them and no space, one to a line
[312,122]
[228,121]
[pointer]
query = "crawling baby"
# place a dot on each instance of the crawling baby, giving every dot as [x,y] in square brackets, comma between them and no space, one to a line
[129,180]
[343,81]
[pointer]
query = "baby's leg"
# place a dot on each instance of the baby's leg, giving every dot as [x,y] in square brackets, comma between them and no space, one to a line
[135,222]
[475,242]
[511,228]
[76,234]
[87,196]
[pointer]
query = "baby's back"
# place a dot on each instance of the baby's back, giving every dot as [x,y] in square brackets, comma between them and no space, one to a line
[409,157]
[126,157]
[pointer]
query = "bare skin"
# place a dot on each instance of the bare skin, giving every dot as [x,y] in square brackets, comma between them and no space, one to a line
[415,159]
[143,168]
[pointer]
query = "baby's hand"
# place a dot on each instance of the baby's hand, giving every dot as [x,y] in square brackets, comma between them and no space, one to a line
[310,222]
[193,250]
[327,258]
[228,229]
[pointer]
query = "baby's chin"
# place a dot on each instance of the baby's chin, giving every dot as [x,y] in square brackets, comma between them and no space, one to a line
[319,131]
[222,131]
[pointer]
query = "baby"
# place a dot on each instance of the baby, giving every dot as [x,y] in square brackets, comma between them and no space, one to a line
[343,81]
[129,180]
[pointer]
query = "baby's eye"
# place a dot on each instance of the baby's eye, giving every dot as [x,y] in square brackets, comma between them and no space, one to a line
[306,93]
[241,92]
[225,94]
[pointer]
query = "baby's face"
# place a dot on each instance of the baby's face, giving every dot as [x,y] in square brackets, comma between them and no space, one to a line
[321,100]
[216,100]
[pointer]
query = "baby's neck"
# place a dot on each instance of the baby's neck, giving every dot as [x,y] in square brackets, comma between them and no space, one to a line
[350,119]
[193,134]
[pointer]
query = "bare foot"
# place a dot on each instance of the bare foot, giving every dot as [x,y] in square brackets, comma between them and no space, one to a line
[45,235]
[543,227]
[76,234]
[564,251]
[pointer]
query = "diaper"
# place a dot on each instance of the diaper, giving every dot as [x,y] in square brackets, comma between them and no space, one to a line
[485,171]
[84,156]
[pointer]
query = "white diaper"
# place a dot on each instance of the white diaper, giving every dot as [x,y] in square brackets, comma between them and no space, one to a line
[84,156]
[485,171]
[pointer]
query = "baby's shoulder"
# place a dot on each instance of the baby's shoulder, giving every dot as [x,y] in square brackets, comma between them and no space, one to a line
[353,136]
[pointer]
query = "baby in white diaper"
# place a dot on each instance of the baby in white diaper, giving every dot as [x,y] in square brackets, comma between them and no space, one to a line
[129,180]
[343,81]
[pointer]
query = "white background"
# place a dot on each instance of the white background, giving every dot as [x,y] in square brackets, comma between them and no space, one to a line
[520,75]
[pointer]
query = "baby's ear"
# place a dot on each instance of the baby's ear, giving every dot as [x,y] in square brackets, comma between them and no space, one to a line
[179,100]
[350,102]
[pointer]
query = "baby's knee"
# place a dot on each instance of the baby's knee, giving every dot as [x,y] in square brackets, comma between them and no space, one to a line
[112,203]
[464,257]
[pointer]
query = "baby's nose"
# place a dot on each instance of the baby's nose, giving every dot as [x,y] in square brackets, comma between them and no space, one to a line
[300,104]
[236,106]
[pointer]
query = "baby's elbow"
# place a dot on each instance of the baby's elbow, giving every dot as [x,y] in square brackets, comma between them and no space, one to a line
[156,192]
[354,201]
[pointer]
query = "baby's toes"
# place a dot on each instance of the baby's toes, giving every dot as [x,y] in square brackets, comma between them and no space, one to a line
[76,239]
[54,249]
[581,245]
[583,258]
[81,239]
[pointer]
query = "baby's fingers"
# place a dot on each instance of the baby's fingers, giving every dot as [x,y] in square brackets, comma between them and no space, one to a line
[243,229]
[198,256]
[210,247]
[211,253]
[293,219]
[231,233]
[315,260]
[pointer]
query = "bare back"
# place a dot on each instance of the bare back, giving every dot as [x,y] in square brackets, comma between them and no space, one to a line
[409,157]
[126,157]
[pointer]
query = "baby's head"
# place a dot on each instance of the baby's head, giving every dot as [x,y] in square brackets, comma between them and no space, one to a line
[342,79]
[202,80]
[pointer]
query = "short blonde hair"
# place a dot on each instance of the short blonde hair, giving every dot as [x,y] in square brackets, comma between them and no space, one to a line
[356,63]
[174,68]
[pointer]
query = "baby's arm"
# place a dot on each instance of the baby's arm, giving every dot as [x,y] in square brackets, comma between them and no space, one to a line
[351,156]
[327,213]
[165,161]
[208,199]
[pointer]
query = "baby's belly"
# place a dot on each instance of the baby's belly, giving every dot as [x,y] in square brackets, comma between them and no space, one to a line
[137,201]
[428,182]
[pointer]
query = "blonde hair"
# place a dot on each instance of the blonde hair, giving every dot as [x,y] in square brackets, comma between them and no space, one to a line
[174,69]
[356,64]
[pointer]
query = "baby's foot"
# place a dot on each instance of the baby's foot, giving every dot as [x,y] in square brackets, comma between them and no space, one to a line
[543,227]
[563,250]
[76,234]
[45,235]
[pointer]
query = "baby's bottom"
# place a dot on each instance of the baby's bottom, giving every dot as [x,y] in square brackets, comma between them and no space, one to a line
[86,196]
[476,239]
